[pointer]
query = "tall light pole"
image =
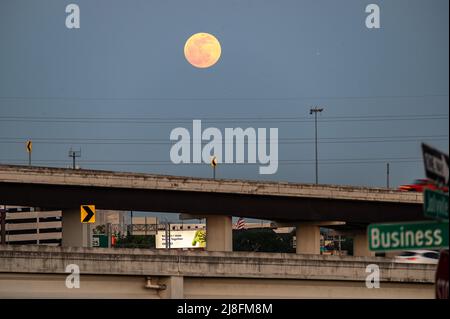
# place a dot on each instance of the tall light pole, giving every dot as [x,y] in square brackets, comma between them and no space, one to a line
[388,171]
[315,111]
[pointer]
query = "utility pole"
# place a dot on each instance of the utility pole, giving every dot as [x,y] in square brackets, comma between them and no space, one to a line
[131,228]
[315,111]
[167,232]
[74,155]
[168,238]
[340,246]
[387,176]
[109,233]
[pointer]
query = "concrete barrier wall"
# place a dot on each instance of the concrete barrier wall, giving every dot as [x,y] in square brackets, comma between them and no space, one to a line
[99,261]
[214,288]
[39,272]
[24,285]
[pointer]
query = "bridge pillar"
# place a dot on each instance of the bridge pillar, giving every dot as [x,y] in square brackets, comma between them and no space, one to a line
[174,287]
[74,233]
[308,239]
[219,233]
[361,245]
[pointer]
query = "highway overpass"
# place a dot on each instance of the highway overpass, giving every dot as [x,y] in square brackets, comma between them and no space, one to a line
[40,272]
[304,205]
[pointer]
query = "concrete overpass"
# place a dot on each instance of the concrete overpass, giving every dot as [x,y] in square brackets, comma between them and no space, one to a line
[304,205]
[40,272]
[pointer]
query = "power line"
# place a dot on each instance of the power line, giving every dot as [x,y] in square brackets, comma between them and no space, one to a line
[187,143]
[124,121]
[292,161]
[285,138]
[87,164]
[282,141]
[207,118]
[298,98]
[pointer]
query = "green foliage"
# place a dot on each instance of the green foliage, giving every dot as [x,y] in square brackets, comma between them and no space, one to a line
[262,240]
[136,241]
[100,229]
[347,245]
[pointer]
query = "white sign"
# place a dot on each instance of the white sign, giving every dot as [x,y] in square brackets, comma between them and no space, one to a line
[436,164]
[182,239]
[95,242]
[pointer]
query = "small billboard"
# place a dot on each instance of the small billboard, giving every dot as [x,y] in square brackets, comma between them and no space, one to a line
[182,239]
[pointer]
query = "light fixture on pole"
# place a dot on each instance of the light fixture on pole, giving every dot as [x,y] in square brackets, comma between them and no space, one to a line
[315,111]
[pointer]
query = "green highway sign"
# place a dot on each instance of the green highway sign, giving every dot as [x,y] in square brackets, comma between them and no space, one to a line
[435,204]
[100,240]
[408,236]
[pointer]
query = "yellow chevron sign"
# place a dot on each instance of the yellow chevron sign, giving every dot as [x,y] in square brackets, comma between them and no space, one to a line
[29,146]
[214,161]
[87,214]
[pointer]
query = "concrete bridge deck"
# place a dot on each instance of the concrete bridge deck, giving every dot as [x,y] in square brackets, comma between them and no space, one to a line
[57,188]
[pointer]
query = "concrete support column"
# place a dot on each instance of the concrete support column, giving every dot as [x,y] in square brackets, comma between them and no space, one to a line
[74,233]
[174,287]
[361,245]
[219,233]
[308,239]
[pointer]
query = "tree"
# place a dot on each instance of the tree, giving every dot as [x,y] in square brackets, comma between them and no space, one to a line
[262,240]
[136,241]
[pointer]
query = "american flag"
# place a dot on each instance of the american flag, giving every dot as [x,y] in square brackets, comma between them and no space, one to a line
[240,224]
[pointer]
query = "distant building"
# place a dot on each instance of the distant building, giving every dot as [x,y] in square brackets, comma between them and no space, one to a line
[143,226]
[26,225]
[186,226]
[114,217]
[117,220]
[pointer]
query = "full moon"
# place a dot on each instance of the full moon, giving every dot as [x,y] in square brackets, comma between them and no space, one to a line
[202,50]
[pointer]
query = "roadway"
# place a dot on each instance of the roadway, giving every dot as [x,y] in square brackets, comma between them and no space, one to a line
[57,188]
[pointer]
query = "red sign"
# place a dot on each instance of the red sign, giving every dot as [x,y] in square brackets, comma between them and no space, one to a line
[442,276]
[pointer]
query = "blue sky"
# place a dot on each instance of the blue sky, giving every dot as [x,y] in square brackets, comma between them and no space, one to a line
[117,86]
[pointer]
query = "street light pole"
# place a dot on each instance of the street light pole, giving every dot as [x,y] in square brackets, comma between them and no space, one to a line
[388,171]
[315,111]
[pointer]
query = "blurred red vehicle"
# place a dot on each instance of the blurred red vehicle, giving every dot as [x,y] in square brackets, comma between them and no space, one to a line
[419,185]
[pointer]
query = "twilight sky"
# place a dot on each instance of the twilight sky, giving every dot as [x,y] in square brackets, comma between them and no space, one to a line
[117,86]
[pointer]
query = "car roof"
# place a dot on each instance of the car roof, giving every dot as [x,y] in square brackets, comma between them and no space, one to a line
[420,251]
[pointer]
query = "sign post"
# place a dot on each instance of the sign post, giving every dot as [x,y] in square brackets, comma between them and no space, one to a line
[436,206]
[29,150]
[214,162]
